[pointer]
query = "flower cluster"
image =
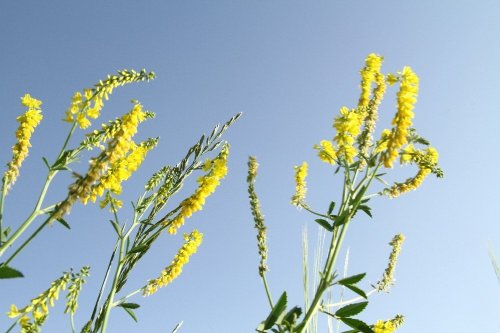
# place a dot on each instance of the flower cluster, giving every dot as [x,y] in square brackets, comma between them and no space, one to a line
[406,99]
[425,159]
[348,126]
[77,282]
[369,73]
[326,152]
[217,170]
[383,327]
[39,306]
[90,104]
[388,277]
[192,242]
[119,146]
[298,198]
[257,215]
[27,124]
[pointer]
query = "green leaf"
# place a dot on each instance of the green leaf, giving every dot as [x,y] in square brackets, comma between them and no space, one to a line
[138,248]
[116,227]
[64,223]
[341,219]
[351,310]
[356,290]
[4,234]
[278,309]
[324,224]
[7,272]
[130,305]
[331,208]
[366,209]
[357,324]
[131,313]
[292,315]
[46,162]
[352,279]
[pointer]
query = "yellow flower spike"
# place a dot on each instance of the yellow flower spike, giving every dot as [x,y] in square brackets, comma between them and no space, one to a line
[300,185]
[207,185]
[373,63]
[27,124]
[348,126]
[82,121]
[326,152]
[406,99]
[192,242]
[383,327]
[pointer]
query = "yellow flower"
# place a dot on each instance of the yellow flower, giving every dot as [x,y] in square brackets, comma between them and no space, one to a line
[383,327]
[192,242]
[326,152]
[406,99]
[348,126]
[300,185]
[426,161]
[207,185]
[373,63]
[82,121]
[27,124]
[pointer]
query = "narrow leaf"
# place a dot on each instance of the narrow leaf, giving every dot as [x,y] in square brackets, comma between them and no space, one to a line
[63,222]
[351,310]
[131,313]
[356,290]
[352,279]
[129,305]
[324,224]
[116,227]
[138,248]
[357,324]
[7,272]
[331,208]
[46,162]
[292,315]
[341,219]
[278,309]
[366,209]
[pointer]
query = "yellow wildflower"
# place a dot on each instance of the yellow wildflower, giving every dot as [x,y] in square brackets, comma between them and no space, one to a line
[207,185]
[406,99]
[27,124]
[326,152]
[426,161]
[300,185]
[383,327]
[392,79]
[373,63]
[348,126]
[192,242]
[39,306]
[82,121]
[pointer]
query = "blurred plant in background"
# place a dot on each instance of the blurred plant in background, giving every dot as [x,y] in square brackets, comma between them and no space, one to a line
[355,154]
[118,157]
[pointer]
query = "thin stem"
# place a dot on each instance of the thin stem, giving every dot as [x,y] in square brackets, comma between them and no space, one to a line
[268,293]
[112,292]
[124,298]
[27,241]
[36,211]
[349,301]
[104,281]
[11,327]
[2,200]
[71,319]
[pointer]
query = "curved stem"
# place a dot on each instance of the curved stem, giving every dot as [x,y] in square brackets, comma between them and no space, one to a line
[26,242]
[36,211]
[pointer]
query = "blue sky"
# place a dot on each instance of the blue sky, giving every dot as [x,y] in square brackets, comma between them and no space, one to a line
[288,66]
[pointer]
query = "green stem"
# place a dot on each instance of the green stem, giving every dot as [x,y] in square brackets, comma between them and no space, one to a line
[36,211]
[124,298]
[11,327]
[2,200]
[268,293]
[26,242]
[109,301]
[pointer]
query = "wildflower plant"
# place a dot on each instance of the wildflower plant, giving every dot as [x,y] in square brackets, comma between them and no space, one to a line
[118,157]
[361,159]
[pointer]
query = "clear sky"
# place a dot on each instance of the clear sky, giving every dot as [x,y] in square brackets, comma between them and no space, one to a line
[288,66]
